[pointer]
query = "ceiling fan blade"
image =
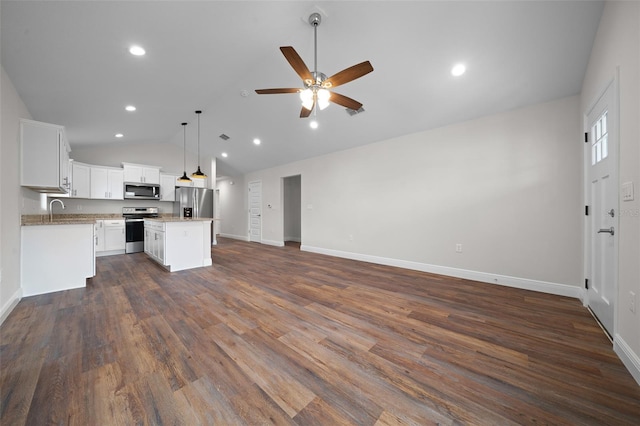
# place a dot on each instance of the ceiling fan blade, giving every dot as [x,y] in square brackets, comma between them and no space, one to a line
[275,91]
[304,113]
[345,101]
[348,74]
[297,63]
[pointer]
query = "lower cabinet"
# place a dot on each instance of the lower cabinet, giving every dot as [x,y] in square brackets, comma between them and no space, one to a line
[110,237]
[154,241]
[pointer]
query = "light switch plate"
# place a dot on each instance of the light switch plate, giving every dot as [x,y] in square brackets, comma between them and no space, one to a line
[627,191]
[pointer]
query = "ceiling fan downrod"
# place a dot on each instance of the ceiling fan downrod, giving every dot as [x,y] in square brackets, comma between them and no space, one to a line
[314,20]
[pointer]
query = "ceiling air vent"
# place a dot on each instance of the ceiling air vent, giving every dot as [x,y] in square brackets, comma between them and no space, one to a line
[224,137]
[353,112]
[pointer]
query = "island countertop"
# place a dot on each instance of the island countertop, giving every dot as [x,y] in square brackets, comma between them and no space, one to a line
[167,219]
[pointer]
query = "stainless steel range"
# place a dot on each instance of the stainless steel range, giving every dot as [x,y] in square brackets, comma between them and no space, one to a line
[134,226]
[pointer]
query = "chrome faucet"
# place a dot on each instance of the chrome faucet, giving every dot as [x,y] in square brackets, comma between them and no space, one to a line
[51,208]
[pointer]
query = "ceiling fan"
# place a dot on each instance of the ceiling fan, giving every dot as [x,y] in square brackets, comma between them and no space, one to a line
[316,84]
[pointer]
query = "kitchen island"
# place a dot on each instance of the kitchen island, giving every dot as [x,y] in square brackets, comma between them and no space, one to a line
[178,244]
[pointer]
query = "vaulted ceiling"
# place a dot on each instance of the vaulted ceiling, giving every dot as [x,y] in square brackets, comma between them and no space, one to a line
[70,64]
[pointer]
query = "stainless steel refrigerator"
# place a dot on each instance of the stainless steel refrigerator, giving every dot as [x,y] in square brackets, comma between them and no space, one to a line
[199,200]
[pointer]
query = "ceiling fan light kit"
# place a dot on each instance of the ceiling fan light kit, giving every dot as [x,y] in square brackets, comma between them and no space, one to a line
[316,84]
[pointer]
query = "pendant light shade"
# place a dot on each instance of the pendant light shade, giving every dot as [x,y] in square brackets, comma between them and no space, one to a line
[198,173]
[184,177]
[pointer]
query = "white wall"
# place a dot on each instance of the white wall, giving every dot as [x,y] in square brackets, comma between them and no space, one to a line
[10,196]
[507,187]
[617,46]
[233,208]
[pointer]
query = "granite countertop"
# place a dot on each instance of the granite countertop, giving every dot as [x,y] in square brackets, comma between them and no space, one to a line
[178,219]
[65,219]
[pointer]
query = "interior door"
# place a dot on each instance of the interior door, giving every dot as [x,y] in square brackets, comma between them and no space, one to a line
[255,211]
[602,196]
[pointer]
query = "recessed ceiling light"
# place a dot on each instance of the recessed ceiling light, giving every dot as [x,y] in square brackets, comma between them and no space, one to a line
[119,135]
[313,124]
[458,70]
[130,108]
[225,155]
[256,141]
[137,51]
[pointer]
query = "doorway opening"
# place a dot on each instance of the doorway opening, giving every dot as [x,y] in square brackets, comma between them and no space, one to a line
[292,209]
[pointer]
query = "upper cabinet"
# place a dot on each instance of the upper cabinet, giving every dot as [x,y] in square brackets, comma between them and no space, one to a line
[107,183]
[196,183]
[168,187]
[138,173]
[80,180]
[44,153]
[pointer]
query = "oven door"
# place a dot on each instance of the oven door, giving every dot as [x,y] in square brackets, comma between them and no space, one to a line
[134,231]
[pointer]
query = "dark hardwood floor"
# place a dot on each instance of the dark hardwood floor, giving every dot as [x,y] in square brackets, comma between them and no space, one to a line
[274,335]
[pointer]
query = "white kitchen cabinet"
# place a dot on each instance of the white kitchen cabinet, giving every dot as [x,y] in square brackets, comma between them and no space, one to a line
[114,237]
[80,180]
[107,183]
[99,236]
[195,183]
[44,153]
[168,187]
[110,237]
[138,173]
[56,257]
[154,241]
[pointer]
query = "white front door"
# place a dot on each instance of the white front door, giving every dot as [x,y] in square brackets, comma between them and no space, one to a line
[255,211]
[602,199]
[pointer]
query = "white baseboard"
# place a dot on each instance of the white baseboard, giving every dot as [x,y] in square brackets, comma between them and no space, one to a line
[273,243]
[522,283]
[10,304]
[235,237]
[630,359]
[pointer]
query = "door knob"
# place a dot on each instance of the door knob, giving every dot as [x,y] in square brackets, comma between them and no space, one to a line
[611,213]
[605,230]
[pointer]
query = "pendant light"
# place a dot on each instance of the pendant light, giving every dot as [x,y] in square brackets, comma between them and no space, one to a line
[184,177]
[198,174]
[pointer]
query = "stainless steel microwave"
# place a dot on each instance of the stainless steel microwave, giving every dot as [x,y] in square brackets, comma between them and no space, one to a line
[145,191]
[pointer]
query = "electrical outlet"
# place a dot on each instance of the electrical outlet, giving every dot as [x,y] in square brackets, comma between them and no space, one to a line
[458,248]
[632,302]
